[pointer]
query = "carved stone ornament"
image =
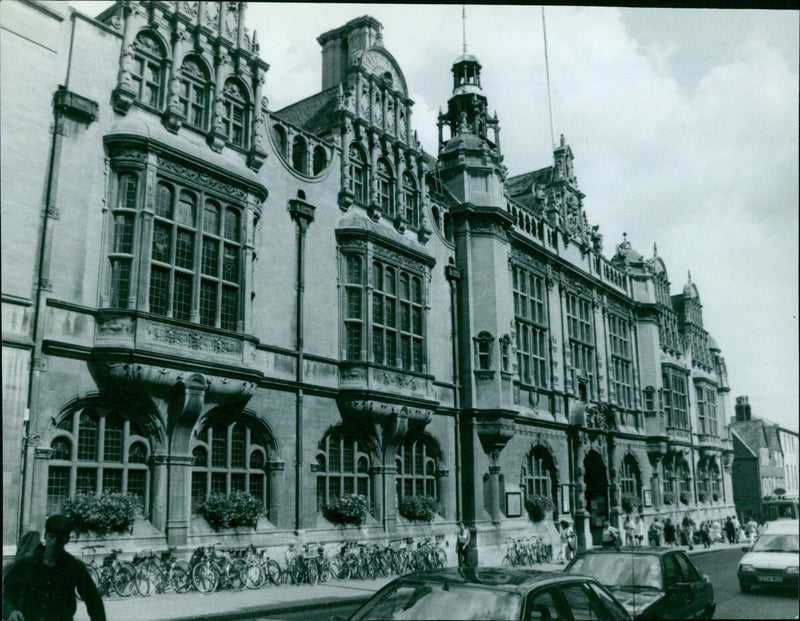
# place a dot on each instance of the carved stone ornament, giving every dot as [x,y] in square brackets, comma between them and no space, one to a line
[193,340]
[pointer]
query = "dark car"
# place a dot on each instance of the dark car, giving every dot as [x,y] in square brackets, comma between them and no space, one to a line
[492,593]
[652,583]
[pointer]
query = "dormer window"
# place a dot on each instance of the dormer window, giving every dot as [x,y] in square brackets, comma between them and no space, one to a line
[235,118]
[195,87]
[483,351]
[410,200]
[148,72]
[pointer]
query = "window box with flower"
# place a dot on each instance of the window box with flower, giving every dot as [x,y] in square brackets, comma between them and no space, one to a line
[346,509]
[538,507]
[236,510]
[702,497]
[669,498]
[104,514]
[685,498]
[629,502]
[419,508]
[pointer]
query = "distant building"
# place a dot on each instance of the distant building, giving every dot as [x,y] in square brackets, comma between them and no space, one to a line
[765,461]
[202,294]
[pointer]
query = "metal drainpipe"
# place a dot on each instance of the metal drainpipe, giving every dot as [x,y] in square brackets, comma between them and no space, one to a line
[453,274]
[303,214]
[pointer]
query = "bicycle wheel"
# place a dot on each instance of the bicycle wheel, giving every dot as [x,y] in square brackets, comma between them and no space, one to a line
[205,577]
[180,577]
[254,576]
[237,574]
[353,566]
[441,555]
[312,571]
[146,578]
[339,568]
[295,570]
[324,566]
[507,562]
[272,571]
[124,580]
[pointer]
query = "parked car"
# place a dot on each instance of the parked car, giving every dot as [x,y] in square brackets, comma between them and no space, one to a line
[492,593]
[774,557]
[652,583]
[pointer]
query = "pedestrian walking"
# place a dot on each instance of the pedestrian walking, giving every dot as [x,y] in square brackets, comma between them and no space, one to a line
[737,529]
[730,532]
[688,530]
[611,538]
[705,539]
[654,533]
[567,542]
[750,529]
[41,586]
[669,533]
[462,545]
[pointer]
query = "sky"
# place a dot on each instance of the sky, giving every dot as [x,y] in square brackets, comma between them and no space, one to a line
[683,124]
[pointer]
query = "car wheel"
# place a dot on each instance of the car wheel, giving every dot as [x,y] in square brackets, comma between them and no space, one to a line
[745,587]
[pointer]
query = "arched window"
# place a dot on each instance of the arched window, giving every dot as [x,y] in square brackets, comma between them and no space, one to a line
[97,451]
[235,121]
[386,188]
[684,479]
[410,200]
[358,174]
[195,89]
[630,477]
[147,72]
[279,137]
[668,467]
[319,161]
[343,467]
[416,469]
[714,478]
[300,154]
[121,255]
[227,457]
[539,474]
[172,272]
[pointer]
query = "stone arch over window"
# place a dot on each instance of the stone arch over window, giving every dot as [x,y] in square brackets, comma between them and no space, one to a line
[195,91]
[231,452]
[418,459]
[98,447]
[342,465]
[235,119]
[539,474]
[300,155]
[358,173]
[319,160]
[148,73]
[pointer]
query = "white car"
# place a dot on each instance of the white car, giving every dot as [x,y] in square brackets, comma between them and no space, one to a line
[774,558]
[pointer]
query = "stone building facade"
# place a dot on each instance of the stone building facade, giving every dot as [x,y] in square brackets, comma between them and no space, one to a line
[203,294]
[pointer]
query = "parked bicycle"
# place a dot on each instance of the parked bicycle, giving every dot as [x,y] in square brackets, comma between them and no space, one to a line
[113,575]
[157,574]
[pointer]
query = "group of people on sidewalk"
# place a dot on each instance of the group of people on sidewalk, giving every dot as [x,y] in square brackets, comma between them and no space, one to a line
[686,532]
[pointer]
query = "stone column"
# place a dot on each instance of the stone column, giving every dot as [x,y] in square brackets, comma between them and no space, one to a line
[159,491]
[275,473]
[173,111]
[390,496]
[442,485]
[377,482]
[179,498]
[494,493]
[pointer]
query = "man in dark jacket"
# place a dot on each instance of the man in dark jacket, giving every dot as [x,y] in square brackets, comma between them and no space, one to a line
[42,586]
[730,530]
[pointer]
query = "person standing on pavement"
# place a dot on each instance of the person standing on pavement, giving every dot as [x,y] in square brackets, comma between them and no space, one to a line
[705,539]
[737,529]
[629,530]
[566,545]
[638,530]
[654,533]
[669,533]
[688,530]
[462,544]
[610,536]
[41,586]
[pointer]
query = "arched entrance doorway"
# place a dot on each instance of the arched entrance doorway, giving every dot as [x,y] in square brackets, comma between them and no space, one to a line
[596,482]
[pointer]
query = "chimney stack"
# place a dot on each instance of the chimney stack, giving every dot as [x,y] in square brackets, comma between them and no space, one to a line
[742,409]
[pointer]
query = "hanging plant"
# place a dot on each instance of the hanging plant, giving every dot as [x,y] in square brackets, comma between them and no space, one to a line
[685,498]
[539,506]
[110,513]
[669,498]
[239,509]
[422,508]
[346,509]
[715,496]
[702,497]
[630,502]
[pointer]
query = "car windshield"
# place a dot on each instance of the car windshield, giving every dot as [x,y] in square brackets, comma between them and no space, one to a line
[621,570]
[777,543]
[441,601]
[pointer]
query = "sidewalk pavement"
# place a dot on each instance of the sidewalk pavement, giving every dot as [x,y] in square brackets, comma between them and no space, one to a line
[272,600]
